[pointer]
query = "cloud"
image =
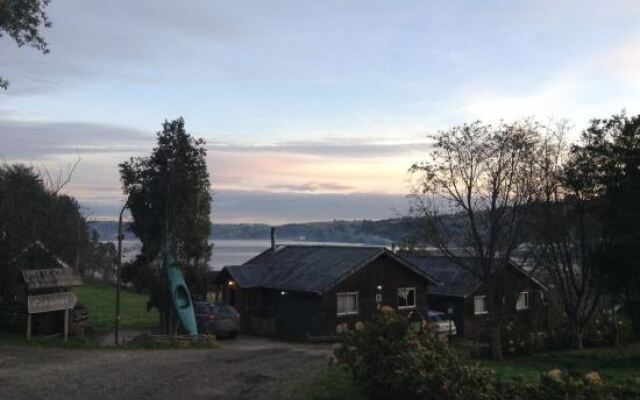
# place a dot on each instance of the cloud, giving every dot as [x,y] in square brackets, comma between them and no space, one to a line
[236,206]
[310,187]
[273,207]
[369,147]
[624,62]
[42,140]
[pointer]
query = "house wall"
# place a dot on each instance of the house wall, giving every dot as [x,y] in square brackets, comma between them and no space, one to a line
[511,283]
[384,271]
[297,315]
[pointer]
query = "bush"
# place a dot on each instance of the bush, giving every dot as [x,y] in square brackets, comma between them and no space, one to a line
[555,386]
[390,361]
[604,330]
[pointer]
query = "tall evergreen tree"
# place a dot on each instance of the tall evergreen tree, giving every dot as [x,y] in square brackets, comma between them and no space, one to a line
[169,199]
[609,155]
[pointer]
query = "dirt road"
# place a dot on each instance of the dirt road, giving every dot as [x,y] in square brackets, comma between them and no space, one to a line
[242,369]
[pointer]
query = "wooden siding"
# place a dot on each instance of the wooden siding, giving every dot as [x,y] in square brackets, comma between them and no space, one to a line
[383,271]
[298,315]
[475,327]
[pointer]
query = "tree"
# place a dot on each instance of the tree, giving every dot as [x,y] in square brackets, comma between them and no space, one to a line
[33,211]
[487,178]
[169,199]
[21,20]
[568,232]
[609,154]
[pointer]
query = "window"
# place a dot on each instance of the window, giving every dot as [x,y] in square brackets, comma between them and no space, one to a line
[523,301]
[480,305]
[347,303]
[406,298]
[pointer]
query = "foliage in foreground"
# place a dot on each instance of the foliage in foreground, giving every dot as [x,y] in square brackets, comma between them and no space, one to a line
[388,360]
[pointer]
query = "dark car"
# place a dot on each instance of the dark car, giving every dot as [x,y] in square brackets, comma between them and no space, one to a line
[219,319]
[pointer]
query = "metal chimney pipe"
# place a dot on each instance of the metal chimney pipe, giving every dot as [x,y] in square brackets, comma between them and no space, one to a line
[273,238]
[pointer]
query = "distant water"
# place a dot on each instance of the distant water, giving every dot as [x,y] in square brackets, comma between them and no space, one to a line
[230,252]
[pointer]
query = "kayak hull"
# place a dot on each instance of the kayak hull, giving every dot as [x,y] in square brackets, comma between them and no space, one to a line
[180,297]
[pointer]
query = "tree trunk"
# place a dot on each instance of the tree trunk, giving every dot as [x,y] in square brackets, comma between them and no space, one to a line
[495,341]
[578,336]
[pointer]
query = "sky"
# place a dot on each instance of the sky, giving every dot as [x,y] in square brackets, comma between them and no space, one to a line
[312,110]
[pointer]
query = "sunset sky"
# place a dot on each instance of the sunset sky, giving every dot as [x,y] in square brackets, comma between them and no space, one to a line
[312,110]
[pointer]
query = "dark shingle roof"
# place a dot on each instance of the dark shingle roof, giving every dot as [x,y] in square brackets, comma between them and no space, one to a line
[248,276]
[456,280]
[313,269]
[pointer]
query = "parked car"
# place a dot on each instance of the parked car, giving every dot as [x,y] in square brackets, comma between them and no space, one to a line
[442,324]
[220,319]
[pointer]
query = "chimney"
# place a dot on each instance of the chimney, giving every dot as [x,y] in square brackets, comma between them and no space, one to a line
[273,238]
[393,247]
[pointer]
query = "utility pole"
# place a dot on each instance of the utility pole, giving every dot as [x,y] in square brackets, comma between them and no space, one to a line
[118,281]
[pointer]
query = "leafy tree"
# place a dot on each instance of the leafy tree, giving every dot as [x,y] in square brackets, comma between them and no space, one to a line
[169,199]
[21,20]
[34,211]
[487,177]
[609,155]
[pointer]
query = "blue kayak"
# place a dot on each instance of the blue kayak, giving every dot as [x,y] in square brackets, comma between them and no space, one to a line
[180,296]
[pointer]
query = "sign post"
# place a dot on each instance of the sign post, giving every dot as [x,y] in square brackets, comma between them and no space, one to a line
[28,326]
[51,302]
[56,280]
[42,303]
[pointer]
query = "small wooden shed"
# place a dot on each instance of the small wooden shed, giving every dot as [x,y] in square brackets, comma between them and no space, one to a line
[39,284]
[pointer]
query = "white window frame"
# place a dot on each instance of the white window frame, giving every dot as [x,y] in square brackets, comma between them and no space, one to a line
[524,297]
[484,303]
[415,292]
[346,295]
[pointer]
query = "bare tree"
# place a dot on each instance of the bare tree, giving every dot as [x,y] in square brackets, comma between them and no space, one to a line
[485,179]
[569,233]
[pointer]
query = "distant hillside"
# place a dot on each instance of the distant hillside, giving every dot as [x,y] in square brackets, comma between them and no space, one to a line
[383,232]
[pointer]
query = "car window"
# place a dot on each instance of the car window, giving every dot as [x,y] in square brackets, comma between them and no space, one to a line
[435,317]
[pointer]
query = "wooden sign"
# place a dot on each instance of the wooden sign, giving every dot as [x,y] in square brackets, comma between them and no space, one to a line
[51,302]
[51,278]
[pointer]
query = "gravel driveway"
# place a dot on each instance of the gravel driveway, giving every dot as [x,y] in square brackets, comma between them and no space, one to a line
[247,368]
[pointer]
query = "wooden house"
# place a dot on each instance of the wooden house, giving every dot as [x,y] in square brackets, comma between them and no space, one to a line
[521,297]
[306,292]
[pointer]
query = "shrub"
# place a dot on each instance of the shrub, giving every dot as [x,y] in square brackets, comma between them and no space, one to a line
[390,361]
[555,386]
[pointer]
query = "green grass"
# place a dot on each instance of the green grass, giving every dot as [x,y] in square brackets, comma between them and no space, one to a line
[100,300]
[614,364]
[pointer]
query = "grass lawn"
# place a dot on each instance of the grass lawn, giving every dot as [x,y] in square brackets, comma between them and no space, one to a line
[614,364]
[100,300]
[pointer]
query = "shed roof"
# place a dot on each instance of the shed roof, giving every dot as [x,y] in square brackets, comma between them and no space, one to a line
[51,278]
[314,269]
